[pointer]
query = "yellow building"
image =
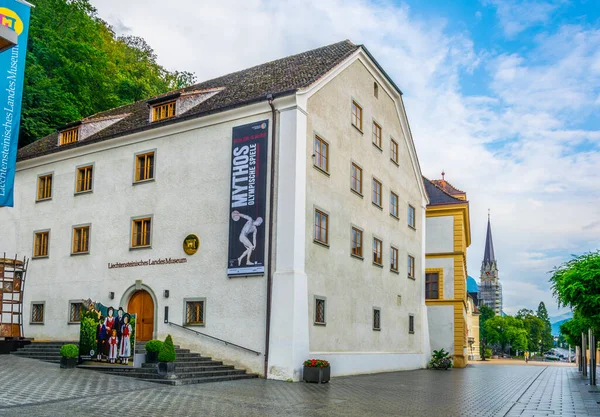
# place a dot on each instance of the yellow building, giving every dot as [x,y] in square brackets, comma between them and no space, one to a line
[451,321]
[472,330]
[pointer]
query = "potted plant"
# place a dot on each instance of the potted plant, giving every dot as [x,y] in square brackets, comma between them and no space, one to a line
[440,360]
[69,355]
[166,359]
[316,370]
[153,348]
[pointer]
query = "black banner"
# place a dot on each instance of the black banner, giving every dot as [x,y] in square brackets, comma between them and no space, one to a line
[248,201]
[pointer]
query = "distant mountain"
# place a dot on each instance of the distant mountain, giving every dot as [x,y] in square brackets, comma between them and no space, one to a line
[567,315]
[556,327]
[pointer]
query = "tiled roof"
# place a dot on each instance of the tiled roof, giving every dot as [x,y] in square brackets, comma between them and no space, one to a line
[437,196]
[447,187]
[281,77]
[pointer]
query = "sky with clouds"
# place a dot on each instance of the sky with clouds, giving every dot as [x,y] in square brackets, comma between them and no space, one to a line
[502,95]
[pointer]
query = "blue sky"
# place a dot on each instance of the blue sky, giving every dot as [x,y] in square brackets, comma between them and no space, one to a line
[502,95]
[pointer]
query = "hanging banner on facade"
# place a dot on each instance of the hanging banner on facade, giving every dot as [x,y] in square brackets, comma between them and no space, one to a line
[15,16]
[107,336]
[248,199]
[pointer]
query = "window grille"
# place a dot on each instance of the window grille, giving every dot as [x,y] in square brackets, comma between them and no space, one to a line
[75,312]
[37,313]
[320,311]
[194,312]
[376,319]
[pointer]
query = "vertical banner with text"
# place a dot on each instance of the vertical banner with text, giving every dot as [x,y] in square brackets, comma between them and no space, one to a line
[14,15]
[248,201]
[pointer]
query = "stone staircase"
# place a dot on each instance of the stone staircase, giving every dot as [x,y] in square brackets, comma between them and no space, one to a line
[190,368]
[44,351]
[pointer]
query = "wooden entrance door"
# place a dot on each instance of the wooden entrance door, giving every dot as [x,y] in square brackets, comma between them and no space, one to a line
[141,303]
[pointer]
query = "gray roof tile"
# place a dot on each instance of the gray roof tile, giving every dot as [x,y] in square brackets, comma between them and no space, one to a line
[281,77]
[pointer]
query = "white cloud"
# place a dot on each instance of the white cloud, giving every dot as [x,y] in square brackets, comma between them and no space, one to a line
[511,150]
[515,16]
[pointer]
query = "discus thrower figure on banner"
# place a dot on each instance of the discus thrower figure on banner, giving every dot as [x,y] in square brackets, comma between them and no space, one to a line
[249,227]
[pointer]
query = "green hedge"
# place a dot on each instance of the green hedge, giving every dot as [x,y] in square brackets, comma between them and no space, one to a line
[167,353]
[154,345]
[69,351]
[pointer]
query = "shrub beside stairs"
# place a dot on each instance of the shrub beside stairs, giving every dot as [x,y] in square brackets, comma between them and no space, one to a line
[190,368]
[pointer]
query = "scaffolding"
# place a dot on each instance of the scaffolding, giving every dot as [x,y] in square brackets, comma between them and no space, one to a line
[12,284]
[490,294]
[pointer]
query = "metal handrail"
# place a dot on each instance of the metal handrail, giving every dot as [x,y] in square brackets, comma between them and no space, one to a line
[212,337]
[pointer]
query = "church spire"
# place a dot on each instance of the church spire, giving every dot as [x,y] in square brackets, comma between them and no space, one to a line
[488,255]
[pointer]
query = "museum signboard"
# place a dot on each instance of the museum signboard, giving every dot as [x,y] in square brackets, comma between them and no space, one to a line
[14,15]
[248,198]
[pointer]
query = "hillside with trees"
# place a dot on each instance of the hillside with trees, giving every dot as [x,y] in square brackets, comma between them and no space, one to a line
[77,66]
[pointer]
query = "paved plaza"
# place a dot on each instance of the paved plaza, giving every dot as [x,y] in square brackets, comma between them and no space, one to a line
[32,388]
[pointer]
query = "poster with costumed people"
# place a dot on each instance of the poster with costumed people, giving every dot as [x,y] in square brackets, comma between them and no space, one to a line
[107,335]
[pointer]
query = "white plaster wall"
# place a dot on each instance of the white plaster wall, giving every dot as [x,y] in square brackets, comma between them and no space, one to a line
[448,265]
[440,234]
[190,195]
[441,327]
[353,286]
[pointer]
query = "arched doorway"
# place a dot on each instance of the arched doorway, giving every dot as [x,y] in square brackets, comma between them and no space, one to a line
[141,303]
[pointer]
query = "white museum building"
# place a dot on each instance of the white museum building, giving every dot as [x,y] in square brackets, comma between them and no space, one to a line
[280,208]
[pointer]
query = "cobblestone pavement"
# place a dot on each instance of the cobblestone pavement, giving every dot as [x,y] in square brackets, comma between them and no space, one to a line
[32,388]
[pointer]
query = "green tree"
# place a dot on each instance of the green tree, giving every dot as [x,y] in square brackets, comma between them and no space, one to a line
[547,341]
[534,327]
[506,331]
[572,329]
[576,284]
[486,313]
[524,312]
[76,66]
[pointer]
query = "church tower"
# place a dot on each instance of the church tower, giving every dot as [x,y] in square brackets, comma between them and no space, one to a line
[490,287]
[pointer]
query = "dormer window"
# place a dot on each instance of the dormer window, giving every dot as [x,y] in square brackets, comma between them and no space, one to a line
[163,111]
[69,136]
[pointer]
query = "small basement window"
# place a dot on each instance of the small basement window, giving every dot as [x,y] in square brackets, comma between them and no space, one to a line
[37,312]
[194,312]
